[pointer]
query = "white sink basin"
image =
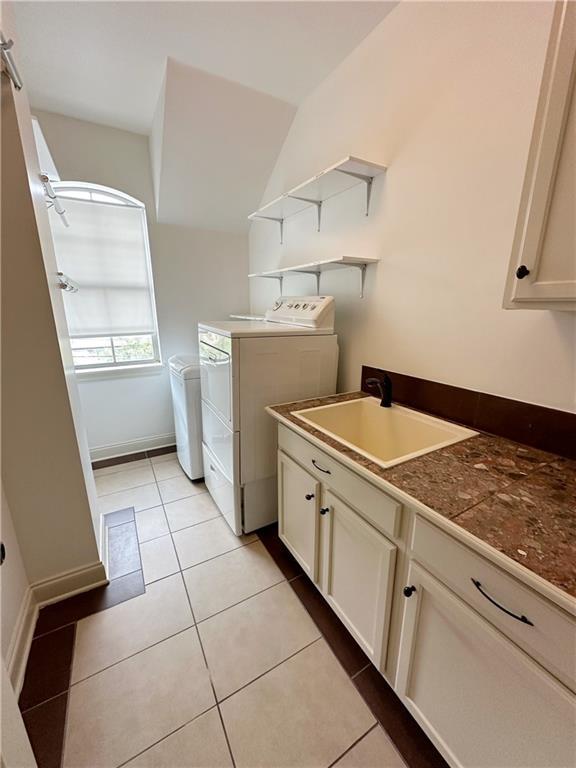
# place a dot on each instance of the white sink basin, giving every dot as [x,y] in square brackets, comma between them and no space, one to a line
[387,436]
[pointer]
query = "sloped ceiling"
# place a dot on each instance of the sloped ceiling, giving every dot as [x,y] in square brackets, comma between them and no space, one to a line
[214,84]
[213,145]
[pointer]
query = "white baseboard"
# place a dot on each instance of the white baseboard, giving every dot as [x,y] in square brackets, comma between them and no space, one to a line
[69,583]
[43,593]
[21,640]
[131,446]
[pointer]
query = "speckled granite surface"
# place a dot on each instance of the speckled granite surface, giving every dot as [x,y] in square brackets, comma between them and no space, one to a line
[519,500]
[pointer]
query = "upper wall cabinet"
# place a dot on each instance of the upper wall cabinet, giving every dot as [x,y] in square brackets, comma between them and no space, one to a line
[542,271]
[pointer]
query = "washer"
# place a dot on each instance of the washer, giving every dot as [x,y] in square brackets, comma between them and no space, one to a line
[245,365]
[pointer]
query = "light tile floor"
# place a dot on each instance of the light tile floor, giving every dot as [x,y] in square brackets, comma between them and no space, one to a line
[218,664]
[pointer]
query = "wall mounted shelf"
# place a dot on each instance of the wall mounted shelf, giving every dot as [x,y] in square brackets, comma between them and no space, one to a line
[312,193]
[316,268]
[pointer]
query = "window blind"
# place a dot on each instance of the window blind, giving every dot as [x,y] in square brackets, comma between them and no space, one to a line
[104,251]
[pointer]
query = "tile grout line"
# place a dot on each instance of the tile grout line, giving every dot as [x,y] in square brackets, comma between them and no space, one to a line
[184,528]
[195,622]
[65,732]
[171,733]
[360,671]
[131,655]
[351,747]
[279,664]
[98,610]
[196,626]
[206,663]
[351,678]
[240,602]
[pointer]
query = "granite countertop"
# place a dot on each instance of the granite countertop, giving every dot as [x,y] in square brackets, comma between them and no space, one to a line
[517,499]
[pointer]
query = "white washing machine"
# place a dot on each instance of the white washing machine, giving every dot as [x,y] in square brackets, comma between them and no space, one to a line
[185,386]
[245,365]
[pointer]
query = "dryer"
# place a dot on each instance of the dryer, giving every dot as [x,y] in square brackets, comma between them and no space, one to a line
[245,365]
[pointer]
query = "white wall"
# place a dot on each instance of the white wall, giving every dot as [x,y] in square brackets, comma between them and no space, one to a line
[445,95]
[42,454]
[14,582]
[198,274]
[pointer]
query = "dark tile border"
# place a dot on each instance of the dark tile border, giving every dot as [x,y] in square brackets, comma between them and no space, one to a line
[161,451]
[284,560]
[45,725]
[43,700]
[413,744]
[544,428]
[79,606]
[410,740]
[49,667]
[345,648]
[112,462]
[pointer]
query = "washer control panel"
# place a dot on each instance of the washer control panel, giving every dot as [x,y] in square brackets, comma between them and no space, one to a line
[309,311]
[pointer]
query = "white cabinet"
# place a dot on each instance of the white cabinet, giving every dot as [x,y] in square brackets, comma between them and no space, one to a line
[483,701]
[542,271]
[298,496]
[349,559]
[484,662]
[359,574]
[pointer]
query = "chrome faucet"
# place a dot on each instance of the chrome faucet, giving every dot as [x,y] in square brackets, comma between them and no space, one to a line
[384,386]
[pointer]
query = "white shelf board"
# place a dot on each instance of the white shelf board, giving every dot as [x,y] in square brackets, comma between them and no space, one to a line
[338,262]
[332,181]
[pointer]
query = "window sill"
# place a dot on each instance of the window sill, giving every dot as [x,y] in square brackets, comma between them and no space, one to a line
[120,371]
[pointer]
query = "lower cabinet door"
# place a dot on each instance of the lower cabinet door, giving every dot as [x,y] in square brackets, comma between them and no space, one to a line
[482,700]
[359,574]
[298,495]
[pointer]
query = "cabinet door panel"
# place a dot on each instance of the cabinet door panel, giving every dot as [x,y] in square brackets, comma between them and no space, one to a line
[359,575]
[483,701]
[542,271]
[298,494]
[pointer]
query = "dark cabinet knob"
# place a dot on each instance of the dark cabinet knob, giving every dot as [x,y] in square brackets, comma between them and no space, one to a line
[323,510]
[309,496]
[407,591]
[522,272]
[2,552]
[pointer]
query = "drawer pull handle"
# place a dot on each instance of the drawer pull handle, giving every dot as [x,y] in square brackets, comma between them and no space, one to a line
[309,496]
[323,510]
[326,471]
[522,618]
[407,591]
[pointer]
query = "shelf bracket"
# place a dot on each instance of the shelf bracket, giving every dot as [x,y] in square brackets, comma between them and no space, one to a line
[368,180]
[317,203]
[316,273]
[280,279]
[277,220]
[362,269]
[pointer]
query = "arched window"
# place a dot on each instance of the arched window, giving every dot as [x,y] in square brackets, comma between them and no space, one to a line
[105,252]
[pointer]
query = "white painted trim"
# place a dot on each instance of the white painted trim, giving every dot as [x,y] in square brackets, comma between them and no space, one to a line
[21,639]
[132,446]
[43,593]
[126,371]
[69,583]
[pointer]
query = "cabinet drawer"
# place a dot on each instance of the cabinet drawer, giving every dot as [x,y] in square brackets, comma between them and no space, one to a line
[374,505]
[550,639]
[481,699]
[221,441]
